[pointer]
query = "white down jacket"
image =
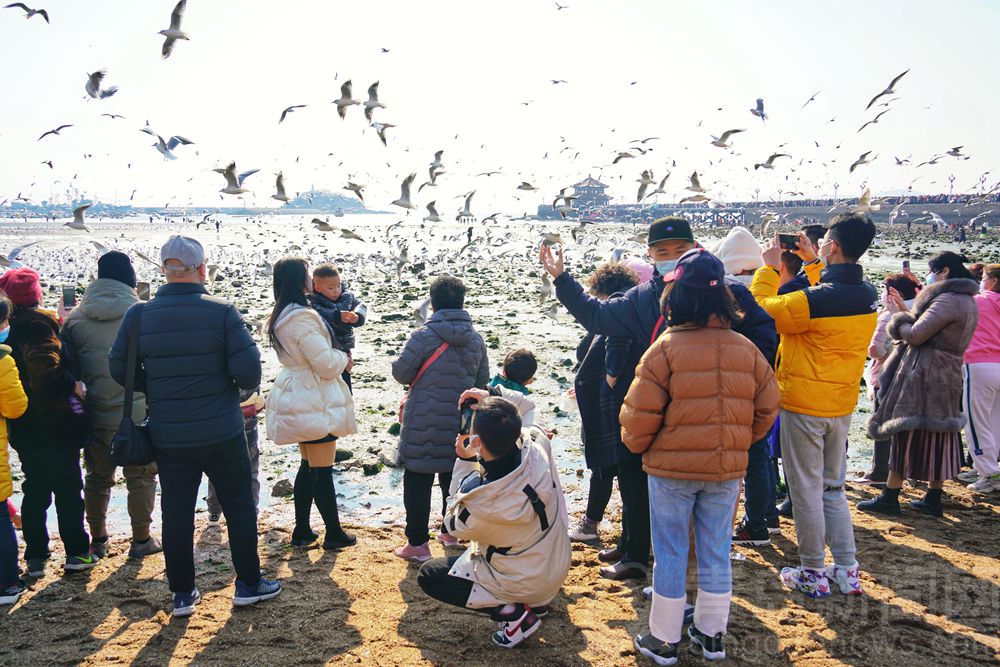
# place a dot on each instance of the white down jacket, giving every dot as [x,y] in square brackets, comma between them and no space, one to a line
[309,399]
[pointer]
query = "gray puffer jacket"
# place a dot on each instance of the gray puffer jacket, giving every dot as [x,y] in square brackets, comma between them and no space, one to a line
[431,418]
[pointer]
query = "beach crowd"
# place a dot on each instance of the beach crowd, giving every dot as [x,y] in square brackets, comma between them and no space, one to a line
[706,374]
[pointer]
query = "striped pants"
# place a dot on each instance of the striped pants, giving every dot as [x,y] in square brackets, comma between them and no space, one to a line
[981,403]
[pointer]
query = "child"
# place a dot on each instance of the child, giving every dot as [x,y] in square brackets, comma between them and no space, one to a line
[13,403]
[514,514]
[449,356]
[517,372]
[694,433]
[338,306]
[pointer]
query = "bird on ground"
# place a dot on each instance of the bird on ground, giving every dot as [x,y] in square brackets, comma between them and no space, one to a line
[356,189]
[93,86]
[861,160]
[55,131]
[695,183]
[380,129]
[645,180]
[723,141]
[234,182]
[467,211]
[890,89]
[166,147]
[874,120]
[811,99]
[759,110]
[546,291]
[10,259]
[372,102]
[77,222]
[769,163]
[345,99]
[525,185]
[404,196]
[432,214]
[174,32]
[279,184]
[348,234]
[289,110]
[28,11]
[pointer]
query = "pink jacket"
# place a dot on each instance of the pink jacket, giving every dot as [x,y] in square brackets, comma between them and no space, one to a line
[985,345]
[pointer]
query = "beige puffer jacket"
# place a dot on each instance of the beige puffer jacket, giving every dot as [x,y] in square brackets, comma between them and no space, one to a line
[309,399]
[700,397]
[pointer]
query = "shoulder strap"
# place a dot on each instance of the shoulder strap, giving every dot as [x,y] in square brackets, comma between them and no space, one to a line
[133,354]
[656,330]
[430,360]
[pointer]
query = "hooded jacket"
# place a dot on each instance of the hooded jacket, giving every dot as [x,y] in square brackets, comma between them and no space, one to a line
[13,403]
[700,396]
[330,311]
[921,383]
[520,550]
[309,399]
[985,344]
[90,330]
[431,418]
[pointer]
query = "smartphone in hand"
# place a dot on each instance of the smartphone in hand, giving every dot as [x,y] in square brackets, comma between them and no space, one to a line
[789,241]
[142,289]
[69,296]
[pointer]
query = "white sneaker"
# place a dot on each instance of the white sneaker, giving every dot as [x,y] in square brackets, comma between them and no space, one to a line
[989,484]
[583,530]
[967,476]
[847,578]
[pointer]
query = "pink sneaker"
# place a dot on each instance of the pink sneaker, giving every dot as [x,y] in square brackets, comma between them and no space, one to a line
[414,554]
[848,578]
[447,539]
[805,580]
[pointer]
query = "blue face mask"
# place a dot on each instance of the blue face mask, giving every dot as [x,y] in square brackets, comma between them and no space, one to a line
[3,334]
[931,278]
[666,266]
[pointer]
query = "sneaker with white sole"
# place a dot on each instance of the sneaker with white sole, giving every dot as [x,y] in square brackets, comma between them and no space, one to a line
[10,594]
[142,549]
[847,578]
[584,530]
[712,648]
[36,567]
[414,554]
[522,624]
[80,563]
[213,519]
[989,484]
[447,539]
[745,537]
[806,580]
[967,477]
[662,653]
[247,595]
[184,603]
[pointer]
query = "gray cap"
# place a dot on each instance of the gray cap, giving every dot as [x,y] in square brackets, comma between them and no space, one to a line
[185,250]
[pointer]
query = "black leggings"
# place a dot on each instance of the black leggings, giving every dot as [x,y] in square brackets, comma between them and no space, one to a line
[599,495]
[418,488]
[435,580]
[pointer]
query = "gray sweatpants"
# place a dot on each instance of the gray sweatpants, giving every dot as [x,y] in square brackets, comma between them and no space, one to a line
[814,454]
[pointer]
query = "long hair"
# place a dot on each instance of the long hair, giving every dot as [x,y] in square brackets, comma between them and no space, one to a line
[291,274]
[951,261]
[690,305]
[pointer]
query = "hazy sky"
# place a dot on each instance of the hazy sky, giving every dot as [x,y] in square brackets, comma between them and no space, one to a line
[465,67]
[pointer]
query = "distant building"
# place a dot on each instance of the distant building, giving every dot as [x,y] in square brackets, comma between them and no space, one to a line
[590,193]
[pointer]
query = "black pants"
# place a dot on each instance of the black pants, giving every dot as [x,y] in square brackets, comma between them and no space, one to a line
[418,488]
[51,469]
[602,482]
[880,456]
[347,379]
[227,465]
[434,579]
[634,489]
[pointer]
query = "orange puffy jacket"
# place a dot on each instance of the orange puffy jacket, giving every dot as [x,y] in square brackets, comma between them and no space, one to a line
[700,396]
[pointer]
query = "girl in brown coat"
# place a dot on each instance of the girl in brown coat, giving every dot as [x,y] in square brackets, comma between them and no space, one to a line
[920,389]
[702,393]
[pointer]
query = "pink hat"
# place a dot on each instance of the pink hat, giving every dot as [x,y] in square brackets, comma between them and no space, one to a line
[21,287]
[643,268]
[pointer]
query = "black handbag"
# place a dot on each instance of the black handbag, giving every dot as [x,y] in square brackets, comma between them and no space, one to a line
[131,445]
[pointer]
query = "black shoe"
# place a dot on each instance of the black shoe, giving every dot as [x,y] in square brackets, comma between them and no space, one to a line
[885,503]
[713,648]
[338,540]
[744,536]
[659,652]
[931,503]
[304,539]
[785,508]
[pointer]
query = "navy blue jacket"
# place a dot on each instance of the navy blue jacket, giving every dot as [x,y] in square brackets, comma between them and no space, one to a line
[636,313]
[195,354]
[330,311]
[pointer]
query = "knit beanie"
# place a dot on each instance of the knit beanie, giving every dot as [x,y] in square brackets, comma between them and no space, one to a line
[739,251]
[641,267]
[116,266]
[21,287]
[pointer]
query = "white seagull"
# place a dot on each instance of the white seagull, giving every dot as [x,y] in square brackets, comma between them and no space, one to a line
[10,259]
[174,32]
[93,86]
[77,222]
[404,196]
[890,89]
[356,189]
[372,102]
[279,184]
[345,100]
[166,147]
[432,214]
[234,182]
[723,141]
[769,163]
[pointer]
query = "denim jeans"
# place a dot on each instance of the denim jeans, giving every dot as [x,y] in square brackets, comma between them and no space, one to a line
[761,486]
[674,503]
[8,549]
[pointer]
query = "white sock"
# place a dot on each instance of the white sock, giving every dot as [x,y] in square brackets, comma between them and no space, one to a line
[711,612]
[666,618]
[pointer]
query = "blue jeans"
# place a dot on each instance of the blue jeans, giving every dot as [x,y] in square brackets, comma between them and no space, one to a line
[8,549]
[761,486]
[674,503]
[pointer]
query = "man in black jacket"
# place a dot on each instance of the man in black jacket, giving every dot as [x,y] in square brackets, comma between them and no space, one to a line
[194,355]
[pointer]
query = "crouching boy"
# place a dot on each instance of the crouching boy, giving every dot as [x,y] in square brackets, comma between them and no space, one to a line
[514,514]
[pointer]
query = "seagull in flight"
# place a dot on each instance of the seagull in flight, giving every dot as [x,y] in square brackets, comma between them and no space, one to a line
[404,196]
[112,116]
[234,182]
[558,6]
[279,184]
[890,89]
[759,110]
[811,99]
[645,180]
[723,141]
[467,211]
[93,86]
[695,183]
[166,148]
[77,222]
[345,99]
[174,32]
[372,102]
[10,259]
[55,131]
[861,160]
[525,185]
[356,189]
[769,163]
[432,214]
[28,11]
[289,110]
[873,120]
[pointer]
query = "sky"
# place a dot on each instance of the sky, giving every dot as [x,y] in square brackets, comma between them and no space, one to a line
[456,76]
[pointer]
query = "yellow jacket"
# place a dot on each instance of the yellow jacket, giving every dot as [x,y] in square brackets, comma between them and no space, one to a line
[825,331]
[13,403]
